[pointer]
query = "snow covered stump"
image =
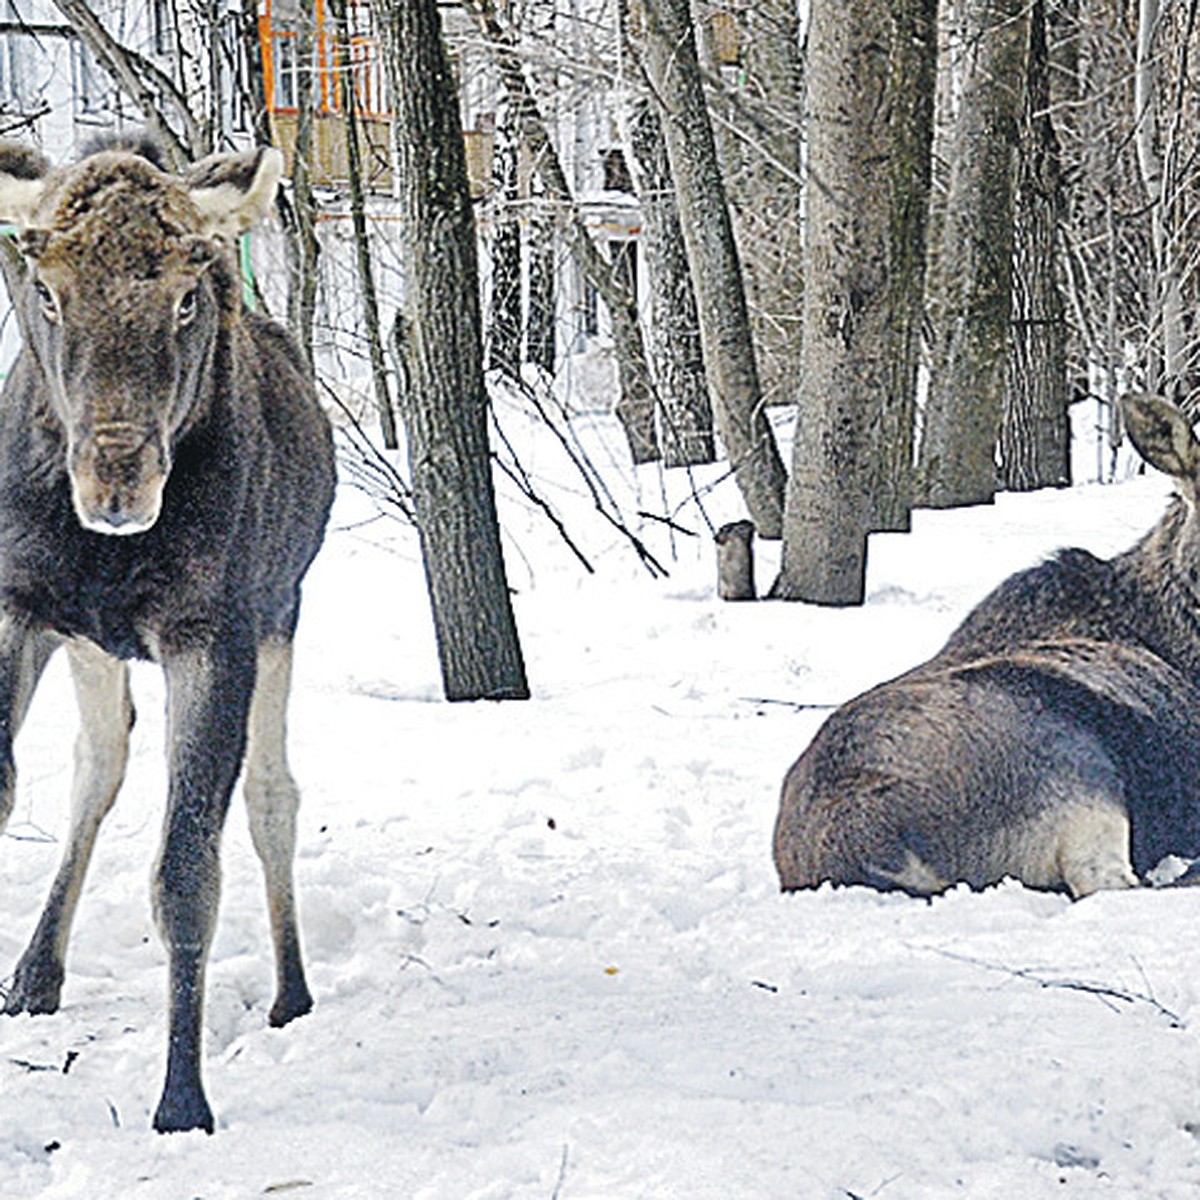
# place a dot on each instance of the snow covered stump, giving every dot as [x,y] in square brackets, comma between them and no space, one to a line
[735,561]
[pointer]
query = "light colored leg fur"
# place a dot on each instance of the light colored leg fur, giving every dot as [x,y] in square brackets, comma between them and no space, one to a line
[1093,850]
[272,799]
[101,752]
[25,654]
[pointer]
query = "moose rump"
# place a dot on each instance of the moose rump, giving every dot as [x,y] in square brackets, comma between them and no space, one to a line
[1054,739]
[165,478]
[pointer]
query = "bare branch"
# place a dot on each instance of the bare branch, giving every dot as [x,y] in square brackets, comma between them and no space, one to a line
[140,80]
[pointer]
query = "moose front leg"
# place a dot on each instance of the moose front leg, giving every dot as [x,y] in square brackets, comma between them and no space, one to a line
[24,653]
[101,749]
[208,697]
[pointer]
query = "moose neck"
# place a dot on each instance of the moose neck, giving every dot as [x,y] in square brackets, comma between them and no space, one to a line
[1157,588]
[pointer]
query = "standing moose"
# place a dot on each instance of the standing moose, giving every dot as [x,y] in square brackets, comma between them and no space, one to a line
[165,478]
[1055,738]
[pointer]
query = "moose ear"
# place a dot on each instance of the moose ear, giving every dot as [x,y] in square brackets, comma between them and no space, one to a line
[234,192]
[22,181]
[1162,436]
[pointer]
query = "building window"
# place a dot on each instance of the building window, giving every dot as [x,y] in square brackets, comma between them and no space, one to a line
[287,90]
[15,65]
[278,29]
[93,90]
[616,171]
[366,62]
[589,309]
[162,27]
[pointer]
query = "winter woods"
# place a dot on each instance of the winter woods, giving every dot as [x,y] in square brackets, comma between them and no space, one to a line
[928,246]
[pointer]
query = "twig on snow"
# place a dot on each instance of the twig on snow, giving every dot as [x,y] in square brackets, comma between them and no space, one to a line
[562,1172]
[1102,991]
[794,705]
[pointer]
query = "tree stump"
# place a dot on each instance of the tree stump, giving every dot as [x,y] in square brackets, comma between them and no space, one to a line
[735,561]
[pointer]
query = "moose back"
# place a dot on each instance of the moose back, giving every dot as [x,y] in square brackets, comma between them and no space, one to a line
[1054,739]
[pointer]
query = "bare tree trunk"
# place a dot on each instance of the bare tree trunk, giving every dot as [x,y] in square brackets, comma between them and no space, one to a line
[1166,349]
[674,74]
[303,248]
[972,288]
[252,48]
[909,106]
[765,193]
[845,372]
[1035,432]
[678,358]
[540,326]
[636,406]
[504,326]
[871,77]
[358,217]
[440,347]
[543,243]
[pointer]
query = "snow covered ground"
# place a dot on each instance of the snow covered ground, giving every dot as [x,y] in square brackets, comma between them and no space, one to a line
[545,939]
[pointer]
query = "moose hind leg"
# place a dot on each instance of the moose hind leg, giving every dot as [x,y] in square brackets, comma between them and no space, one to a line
[101,752]
[272,799]
[1093,850]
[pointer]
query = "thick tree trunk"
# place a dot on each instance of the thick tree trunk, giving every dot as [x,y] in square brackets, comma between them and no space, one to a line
[440,347]
[1035,433]
[846,307]
[912,83]
[674,73]
[678,360]
[972,289]
[765,193]
[871,84]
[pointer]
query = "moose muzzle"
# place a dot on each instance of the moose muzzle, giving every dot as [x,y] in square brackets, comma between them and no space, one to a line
[118,473]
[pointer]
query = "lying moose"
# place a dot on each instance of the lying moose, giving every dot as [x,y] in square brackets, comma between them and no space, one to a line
[165,479]
[1055,738]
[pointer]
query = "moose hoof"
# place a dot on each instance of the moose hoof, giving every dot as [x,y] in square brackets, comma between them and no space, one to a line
[290,1004]
[36,988]
[179,1113]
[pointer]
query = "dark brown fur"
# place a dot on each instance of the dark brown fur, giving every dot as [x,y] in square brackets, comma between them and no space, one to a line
[1055,738]
[165,479]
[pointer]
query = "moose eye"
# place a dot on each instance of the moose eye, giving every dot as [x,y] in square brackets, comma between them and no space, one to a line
[48,304]
[185,310]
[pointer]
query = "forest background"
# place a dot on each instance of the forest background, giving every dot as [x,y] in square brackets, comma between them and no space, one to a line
[934,233]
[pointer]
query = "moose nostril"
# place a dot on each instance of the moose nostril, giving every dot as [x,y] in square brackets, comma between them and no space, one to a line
[120,438]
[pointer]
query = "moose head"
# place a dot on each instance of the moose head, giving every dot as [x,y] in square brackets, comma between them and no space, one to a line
[129,278]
